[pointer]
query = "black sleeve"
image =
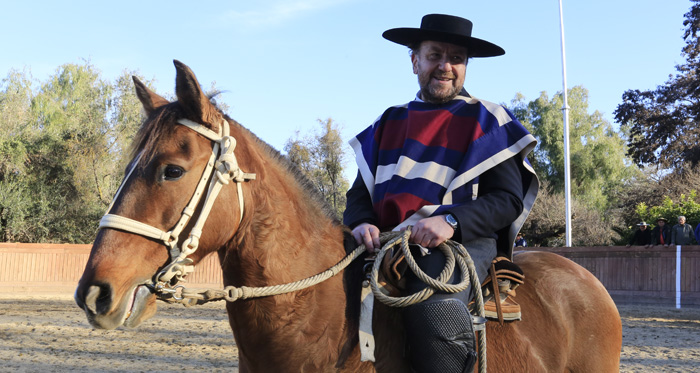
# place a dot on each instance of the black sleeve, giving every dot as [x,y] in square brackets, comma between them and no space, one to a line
[634,238]
[499,203]
[358,208]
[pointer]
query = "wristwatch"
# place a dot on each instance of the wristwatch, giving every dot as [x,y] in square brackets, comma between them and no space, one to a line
[451,220]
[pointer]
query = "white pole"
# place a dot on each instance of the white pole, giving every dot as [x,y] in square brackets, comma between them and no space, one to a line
[565,111]
[678,276]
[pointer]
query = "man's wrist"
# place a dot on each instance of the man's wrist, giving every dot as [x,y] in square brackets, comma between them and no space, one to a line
[451,221]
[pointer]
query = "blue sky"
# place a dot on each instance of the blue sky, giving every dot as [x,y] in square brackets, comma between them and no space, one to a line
[283,64]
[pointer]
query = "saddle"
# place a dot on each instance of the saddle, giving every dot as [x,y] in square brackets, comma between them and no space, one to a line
[498,300]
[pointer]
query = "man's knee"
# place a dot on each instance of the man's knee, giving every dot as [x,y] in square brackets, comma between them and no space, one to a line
[440,336]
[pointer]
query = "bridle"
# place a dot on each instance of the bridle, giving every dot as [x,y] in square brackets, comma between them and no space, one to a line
[225,166]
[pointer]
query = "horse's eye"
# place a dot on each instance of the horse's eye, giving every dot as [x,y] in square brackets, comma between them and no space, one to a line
[173,172]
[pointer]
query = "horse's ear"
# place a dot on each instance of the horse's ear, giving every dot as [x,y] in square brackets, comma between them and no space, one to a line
[191,96]
[149,99]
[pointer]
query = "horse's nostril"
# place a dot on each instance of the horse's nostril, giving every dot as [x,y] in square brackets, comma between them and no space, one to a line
[97,297]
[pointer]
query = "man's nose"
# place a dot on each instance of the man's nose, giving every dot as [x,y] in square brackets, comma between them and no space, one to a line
[445,65]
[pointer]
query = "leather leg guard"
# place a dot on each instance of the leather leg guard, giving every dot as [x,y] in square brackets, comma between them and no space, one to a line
[440,336]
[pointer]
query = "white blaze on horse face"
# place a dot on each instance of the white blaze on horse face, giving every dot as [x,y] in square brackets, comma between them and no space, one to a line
[132,167]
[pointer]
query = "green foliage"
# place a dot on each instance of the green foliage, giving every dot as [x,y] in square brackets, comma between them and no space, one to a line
[62,151]
[663,122]
[600,170]
[686,205]
[321,158]
[599,166]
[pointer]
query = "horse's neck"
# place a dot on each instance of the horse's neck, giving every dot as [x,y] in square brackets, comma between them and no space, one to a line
[286,220]
[290,236]
[284,243]
[285,235]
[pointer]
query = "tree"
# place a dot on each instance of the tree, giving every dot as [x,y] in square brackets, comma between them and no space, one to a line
[15,101]
[599,166]
[321,159]
[600,171]
[545,225]
[663,123]
[63,149]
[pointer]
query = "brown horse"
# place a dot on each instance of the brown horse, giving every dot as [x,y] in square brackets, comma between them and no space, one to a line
[276,230]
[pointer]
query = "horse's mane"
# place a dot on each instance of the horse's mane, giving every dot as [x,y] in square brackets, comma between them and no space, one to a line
[152,131]
[306,184]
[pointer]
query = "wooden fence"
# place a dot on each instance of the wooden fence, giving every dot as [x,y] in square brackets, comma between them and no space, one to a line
[662,275]
[56,268]
[633,274]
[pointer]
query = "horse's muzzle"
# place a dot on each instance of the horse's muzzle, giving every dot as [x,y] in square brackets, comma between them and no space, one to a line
[98,303]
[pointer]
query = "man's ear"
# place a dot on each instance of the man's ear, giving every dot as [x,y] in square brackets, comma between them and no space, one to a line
[414,61]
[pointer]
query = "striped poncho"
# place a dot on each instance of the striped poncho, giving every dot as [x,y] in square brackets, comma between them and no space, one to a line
[420,159]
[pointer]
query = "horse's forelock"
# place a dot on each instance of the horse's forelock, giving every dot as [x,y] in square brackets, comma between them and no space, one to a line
[153,129]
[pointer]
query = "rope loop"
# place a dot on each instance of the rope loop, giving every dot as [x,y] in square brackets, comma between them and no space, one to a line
[172,240]
[454,253]
[232,293]
[228,144]
[190,245]
[223,176]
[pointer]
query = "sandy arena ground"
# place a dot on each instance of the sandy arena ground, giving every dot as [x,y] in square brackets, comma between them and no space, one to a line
[40,334]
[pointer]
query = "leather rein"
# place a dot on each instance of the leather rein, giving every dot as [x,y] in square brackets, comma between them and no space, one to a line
[225,168]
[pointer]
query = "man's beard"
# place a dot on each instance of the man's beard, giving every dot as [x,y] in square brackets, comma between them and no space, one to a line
[433,95]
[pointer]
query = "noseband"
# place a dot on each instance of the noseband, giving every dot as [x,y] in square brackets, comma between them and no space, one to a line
[226,168]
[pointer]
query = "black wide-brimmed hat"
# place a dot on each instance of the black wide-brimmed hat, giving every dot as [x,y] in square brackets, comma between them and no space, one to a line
[445,28]
[662,219]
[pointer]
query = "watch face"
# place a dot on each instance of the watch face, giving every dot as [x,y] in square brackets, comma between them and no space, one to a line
[451,220]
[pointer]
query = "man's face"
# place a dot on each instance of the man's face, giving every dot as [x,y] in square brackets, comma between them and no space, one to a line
[681,220]
[660,223]
[642,227]
[440,68]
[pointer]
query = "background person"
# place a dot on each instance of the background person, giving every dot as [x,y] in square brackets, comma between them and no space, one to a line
[661,234]
[681,233]
[642,236]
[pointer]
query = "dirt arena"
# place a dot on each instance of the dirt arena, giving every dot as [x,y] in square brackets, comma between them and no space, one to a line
[40,334]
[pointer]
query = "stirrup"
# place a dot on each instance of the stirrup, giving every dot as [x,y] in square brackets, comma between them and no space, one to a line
[499,290]
[509,308]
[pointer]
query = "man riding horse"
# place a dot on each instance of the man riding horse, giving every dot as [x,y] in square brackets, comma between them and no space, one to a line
[451,166]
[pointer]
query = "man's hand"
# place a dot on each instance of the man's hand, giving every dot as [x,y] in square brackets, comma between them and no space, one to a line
[368,235]
[431,232]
